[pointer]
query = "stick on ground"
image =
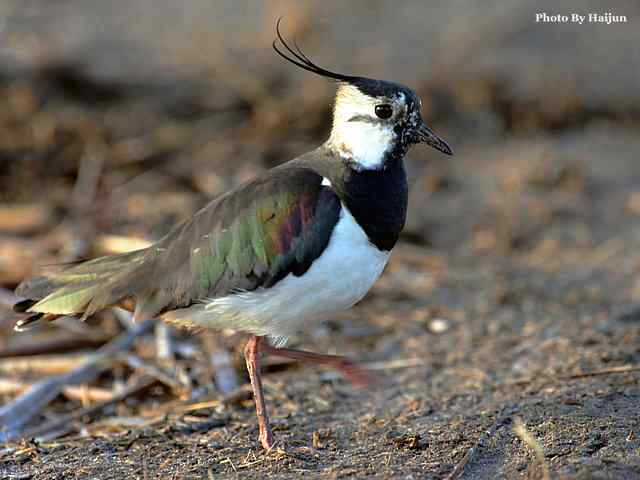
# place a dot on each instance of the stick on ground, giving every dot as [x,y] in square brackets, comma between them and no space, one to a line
[16,414]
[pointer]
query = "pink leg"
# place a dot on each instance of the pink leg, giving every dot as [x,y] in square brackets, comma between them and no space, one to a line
[252,358]
[352,371]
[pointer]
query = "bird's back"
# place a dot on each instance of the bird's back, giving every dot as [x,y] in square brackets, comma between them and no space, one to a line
[250,237]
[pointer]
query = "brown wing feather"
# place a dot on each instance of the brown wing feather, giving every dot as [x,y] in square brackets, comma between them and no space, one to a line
[248,238]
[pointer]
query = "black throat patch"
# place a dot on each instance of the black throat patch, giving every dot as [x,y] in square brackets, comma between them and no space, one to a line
[377,199]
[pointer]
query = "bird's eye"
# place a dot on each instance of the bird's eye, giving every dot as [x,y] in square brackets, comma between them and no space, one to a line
[384,110]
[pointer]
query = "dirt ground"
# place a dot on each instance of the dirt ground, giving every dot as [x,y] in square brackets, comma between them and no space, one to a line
[504,332]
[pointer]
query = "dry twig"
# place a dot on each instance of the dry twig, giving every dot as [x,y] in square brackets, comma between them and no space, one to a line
[80,393]
[602,371]
[42,364]
[528,439]
[136,363]
[53,345]
[65,420]
[576,376]
[16,414]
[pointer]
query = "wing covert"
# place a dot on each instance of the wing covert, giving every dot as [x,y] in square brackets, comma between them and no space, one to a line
[251,237]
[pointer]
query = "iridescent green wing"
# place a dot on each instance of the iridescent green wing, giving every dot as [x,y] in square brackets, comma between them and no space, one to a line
[250,238]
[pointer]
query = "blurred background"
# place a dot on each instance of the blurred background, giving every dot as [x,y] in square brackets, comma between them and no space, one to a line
[520,257]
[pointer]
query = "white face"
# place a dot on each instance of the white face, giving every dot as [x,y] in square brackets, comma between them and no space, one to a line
[359,134]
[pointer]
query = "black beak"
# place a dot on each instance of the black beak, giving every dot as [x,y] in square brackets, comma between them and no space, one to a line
[426,135]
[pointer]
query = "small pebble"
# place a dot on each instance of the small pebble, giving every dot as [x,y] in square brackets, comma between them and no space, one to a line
[439,325]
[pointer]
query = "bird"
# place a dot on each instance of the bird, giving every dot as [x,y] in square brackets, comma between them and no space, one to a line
[305,240]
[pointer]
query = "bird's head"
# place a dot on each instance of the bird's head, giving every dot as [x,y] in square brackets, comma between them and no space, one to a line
[374,121]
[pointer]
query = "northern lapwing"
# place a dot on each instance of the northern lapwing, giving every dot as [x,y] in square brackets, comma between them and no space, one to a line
[305,240]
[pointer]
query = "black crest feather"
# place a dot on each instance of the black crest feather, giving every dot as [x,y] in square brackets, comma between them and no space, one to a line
[368,86]
[298,58]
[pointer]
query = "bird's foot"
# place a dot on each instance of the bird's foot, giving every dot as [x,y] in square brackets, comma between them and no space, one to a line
[266,439]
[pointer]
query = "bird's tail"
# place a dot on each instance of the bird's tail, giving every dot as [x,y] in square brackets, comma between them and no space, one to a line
[81,288]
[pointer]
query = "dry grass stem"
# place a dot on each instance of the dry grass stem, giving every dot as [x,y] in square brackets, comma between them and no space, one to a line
[529,440]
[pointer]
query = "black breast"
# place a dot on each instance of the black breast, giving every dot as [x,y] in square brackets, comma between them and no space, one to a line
[378,201]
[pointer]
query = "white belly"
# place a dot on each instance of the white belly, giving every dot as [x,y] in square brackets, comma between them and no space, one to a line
[340,277]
